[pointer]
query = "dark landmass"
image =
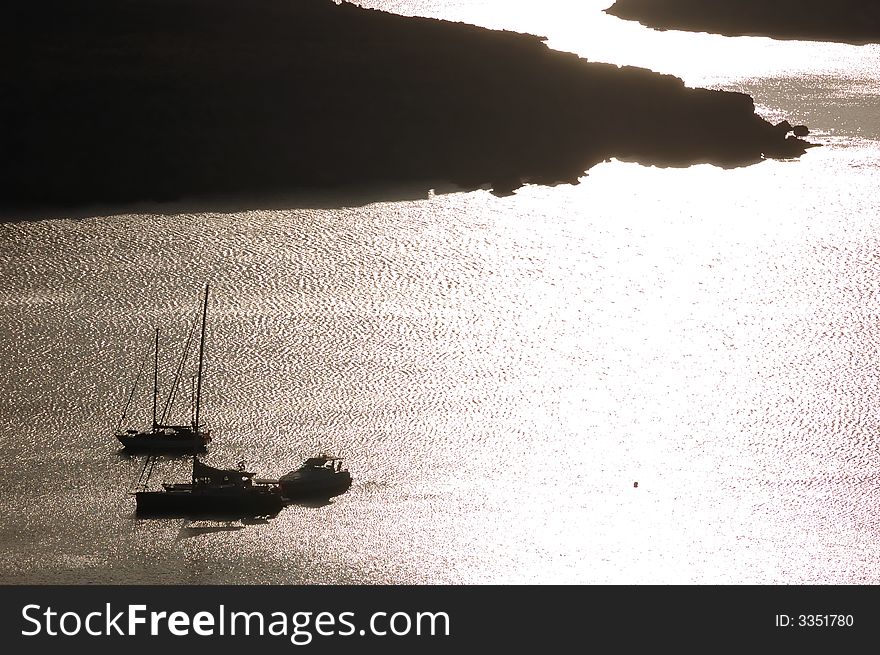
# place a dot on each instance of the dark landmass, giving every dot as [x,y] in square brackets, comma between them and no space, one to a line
[130,101]
[846,21]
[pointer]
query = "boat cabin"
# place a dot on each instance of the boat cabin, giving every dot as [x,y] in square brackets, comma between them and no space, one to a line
[328,462]
[205,475]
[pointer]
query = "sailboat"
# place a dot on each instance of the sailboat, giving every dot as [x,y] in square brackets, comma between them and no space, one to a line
[213,492]
[162,437]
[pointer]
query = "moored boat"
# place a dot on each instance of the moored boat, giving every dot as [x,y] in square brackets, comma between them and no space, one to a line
[162,437]
[212,492]
[320,476]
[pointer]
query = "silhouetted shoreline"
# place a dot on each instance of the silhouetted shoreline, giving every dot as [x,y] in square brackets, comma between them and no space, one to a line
[846,21]
[114,102]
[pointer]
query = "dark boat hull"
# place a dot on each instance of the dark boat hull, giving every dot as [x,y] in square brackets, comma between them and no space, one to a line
[319,487]
[164,444]
[213,502]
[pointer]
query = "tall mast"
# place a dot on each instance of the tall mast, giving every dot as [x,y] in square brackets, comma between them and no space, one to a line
[155,378]
[169,402]
[201,361]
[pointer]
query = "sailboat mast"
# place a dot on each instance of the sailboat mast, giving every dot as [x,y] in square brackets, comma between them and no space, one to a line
[134,387]
[155,378]
[201,362]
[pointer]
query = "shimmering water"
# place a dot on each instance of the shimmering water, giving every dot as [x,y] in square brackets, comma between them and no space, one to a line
[498,372]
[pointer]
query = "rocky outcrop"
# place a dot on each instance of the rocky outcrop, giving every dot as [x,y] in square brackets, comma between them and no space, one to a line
[116,101]
[846,21]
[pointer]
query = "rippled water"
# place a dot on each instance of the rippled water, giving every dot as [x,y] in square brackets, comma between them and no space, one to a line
[498,372]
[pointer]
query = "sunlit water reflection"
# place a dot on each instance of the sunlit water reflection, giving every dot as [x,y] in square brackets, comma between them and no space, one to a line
[498,372]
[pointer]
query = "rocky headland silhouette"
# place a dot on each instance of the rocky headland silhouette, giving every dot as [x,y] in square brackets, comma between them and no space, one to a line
[120,101]
[845,21]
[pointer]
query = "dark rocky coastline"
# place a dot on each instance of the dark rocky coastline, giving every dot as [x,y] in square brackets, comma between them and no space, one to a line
[124,101]
[845,21]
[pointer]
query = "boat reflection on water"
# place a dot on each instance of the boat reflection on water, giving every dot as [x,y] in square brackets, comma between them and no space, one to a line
[213,492]
[188,530]
[319,477]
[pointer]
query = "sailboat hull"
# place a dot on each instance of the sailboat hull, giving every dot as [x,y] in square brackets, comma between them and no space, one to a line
[150,442]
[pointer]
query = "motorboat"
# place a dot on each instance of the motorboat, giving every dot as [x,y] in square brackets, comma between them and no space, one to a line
[320,476]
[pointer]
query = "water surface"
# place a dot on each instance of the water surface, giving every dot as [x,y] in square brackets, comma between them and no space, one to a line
[497,372]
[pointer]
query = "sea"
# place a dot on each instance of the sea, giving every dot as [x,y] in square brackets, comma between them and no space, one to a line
[655,376]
